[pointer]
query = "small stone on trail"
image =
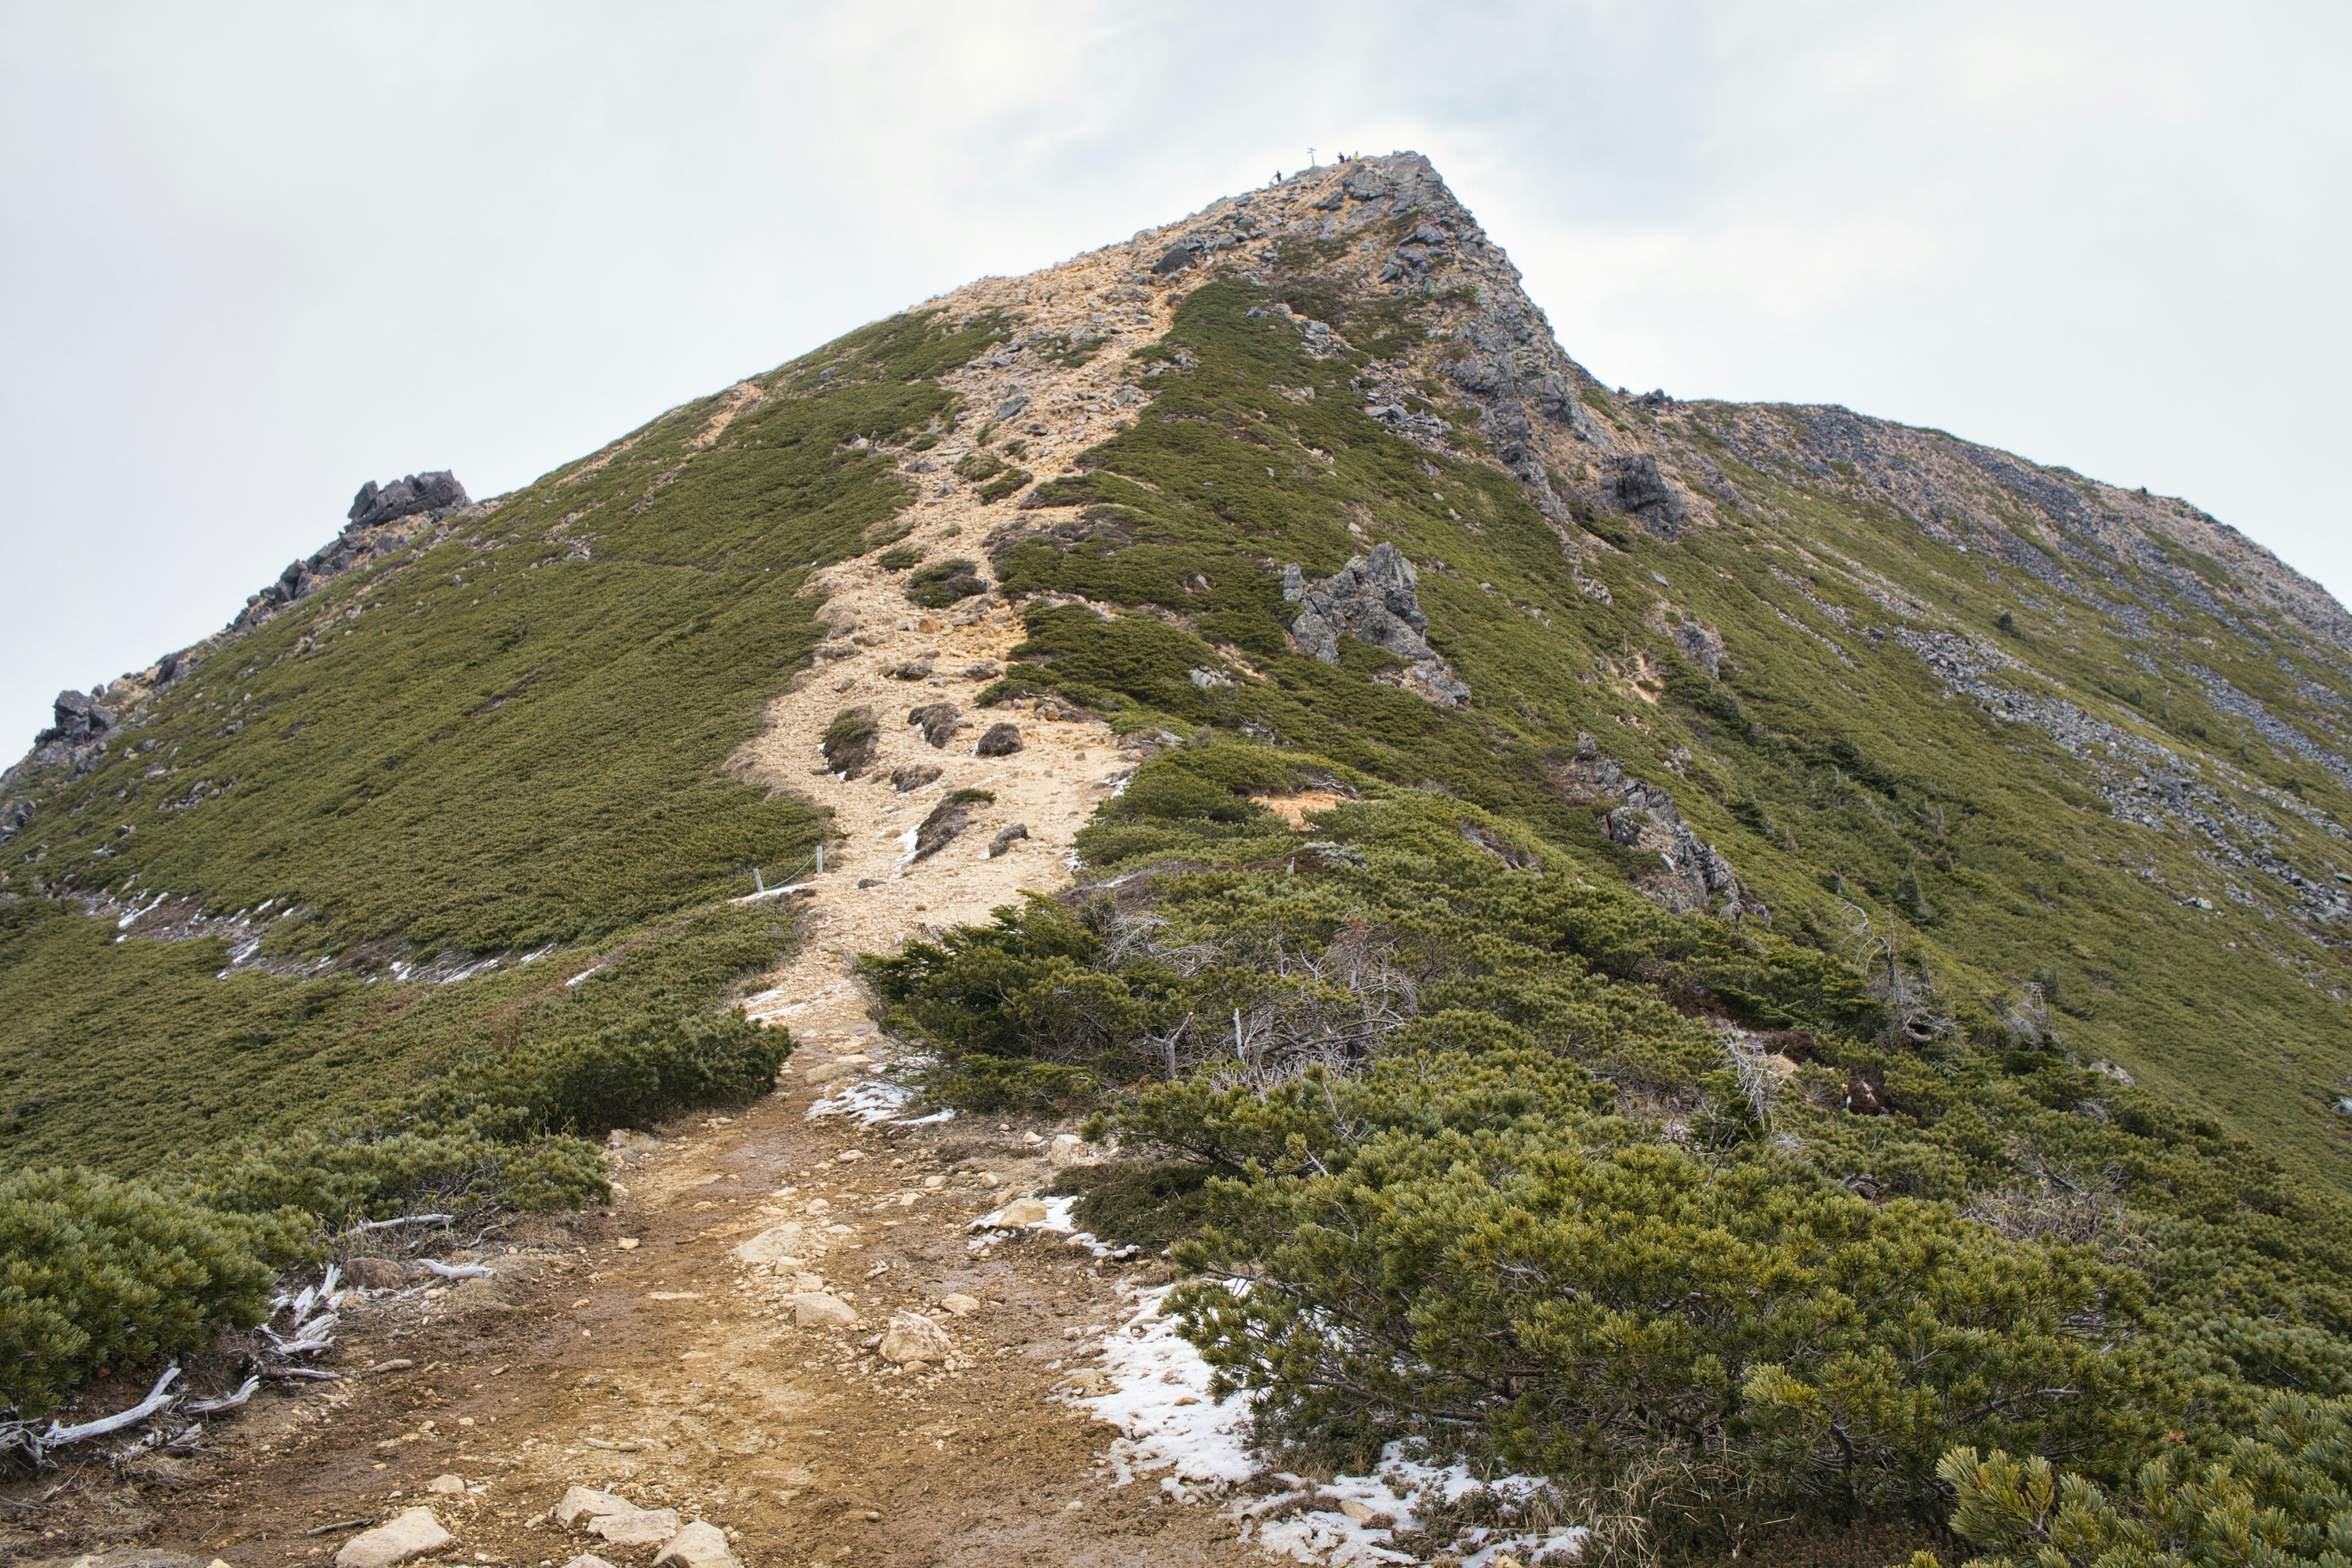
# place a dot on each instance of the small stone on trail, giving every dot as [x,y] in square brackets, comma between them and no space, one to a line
[1001,741]
[637,1527]
[826,1072]
[1022,1211]
[699,1545]
[913,1338]
[822,1309]
[772,1245]
[398,1539]
[588,1560]
[959,1304]
[445,1484]
[1004,839]
[627,1244]
[588,1500]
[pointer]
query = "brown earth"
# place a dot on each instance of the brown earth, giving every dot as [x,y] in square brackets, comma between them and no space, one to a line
[671,1373]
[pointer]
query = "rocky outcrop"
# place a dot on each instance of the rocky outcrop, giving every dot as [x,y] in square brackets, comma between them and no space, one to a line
[1373,600]
[75,739]
[431,496]
[1635,486]
[437,494]
[1693,877]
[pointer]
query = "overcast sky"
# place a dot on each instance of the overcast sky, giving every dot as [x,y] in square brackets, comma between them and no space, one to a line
[252,254]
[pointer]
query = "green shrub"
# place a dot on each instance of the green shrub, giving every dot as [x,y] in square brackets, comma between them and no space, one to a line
[942,583]
[1004,484]
[102,1274]
[1149,1205]
[1462,1248]
[899,559]
[2279,1494]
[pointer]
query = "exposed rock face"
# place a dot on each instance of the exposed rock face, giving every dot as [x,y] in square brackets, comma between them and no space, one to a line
[1635,486]
[1694,878]
[1372,599]
[438,493]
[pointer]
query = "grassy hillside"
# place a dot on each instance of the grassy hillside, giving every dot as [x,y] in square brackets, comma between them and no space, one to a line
[504,740]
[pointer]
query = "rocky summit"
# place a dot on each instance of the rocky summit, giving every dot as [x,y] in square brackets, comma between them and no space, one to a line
[1222,840]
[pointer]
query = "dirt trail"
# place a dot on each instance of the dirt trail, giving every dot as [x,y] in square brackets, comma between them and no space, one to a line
[872,896]
[671,1371]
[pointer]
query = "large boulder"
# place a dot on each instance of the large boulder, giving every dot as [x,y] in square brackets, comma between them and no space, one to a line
[438,493]
[1372,598]
[1636,488]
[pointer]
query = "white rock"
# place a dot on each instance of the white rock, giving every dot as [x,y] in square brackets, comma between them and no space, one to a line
[772,1245]
[637,1527]
[822,1309]
[588,1560]
[699,1545]
[959,1304]
[828,1071]
[1022,1211]
[1069,1149]
[398,1539]
[445,1484]
[916,1338]
[588,1500]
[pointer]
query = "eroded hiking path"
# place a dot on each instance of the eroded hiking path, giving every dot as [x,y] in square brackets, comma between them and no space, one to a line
[636,1351]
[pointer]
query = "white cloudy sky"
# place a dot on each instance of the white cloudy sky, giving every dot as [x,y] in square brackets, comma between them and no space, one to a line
[251,255]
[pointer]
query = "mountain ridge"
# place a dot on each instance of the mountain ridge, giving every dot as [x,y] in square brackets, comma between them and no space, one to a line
[1249,687]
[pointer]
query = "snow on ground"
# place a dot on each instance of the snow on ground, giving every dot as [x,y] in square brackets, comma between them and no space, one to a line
[1158,1399]
[869,1099]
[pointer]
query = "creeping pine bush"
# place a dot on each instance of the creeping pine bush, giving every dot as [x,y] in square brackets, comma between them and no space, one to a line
[1445,1122]
[509,1129]
[98,1274]
[1459,1249]
[2278,1494]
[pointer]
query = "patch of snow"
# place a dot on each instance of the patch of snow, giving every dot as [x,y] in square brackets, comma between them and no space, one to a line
[1159,1401]
[770,893]
[592,969]
[869,1099]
